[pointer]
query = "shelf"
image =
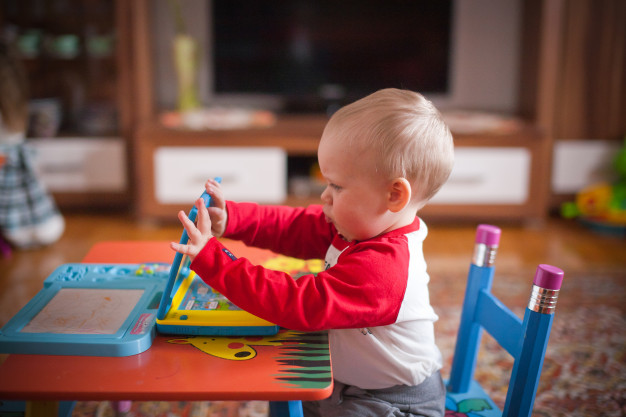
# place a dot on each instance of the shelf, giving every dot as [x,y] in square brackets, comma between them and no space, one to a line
[300,135]
[297,135]
[74,56]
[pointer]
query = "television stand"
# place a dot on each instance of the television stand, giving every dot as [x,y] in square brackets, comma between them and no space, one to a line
[498,175]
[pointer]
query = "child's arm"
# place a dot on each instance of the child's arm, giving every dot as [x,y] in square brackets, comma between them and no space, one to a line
[300,232]
[364,290]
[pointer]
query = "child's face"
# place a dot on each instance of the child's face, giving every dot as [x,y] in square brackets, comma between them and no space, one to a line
[354,198]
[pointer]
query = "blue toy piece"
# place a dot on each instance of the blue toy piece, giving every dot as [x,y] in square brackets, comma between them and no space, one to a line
[89,310]
[179,270]
[191,307]
[525,340]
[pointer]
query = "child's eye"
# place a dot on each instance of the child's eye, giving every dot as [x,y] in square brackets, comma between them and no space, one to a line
[335,187]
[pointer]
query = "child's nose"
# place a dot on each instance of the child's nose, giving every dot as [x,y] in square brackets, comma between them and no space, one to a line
[326,196]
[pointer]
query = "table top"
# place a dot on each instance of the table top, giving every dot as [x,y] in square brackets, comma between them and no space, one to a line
[289,366]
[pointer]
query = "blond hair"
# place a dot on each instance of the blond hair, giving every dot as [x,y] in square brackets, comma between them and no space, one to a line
[13,90]
[406,133]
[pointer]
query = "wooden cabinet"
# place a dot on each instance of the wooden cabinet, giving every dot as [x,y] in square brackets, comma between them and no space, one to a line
[72,52]
[83,172]
[498,176]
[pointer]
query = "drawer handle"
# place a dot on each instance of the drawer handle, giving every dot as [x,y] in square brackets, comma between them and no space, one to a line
[226,179]
[468,180]
[61,169]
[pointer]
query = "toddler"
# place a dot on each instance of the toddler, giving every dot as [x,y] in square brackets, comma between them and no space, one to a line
[29,216]
[382,157]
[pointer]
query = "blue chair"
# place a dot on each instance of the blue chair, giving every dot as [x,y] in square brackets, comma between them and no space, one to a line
[286,408]
[50,408]
[526,340]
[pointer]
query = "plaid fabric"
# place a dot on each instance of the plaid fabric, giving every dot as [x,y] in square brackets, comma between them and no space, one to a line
[24,200]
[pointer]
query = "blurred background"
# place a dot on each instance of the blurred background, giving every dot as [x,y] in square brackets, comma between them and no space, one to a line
[123,95]
[132,105]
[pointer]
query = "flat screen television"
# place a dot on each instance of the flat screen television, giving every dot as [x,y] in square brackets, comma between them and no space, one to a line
[313,55]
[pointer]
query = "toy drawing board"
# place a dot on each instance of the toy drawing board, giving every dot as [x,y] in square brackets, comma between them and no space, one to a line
[89,310]
[191,307]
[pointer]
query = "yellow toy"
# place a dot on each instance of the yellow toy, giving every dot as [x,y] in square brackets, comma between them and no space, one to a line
[605,203]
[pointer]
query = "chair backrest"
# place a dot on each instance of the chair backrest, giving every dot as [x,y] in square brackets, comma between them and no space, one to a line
[526,340]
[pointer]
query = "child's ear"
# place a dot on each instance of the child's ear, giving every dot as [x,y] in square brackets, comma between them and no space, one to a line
[399,194]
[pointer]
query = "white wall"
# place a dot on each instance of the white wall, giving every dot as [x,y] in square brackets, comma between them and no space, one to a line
[485,66]
[580,163]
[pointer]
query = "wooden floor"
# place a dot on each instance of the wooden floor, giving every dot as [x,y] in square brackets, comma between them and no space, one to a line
[582,254]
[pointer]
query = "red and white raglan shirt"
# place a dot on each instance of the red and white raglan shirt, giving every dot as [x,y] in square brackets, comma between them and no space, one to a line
[372,296]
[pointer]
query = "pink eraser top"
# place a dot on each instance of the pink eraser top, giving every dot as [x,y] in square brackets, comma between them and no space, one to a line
[487,234]
[548,277]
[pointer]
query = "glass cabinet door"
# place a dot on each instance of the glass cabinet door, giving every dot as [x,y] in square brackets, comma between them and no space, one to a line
[68,48]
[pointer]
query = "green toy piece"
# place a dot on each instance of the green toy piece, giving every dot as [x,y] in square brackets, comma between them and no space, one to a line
[604,203]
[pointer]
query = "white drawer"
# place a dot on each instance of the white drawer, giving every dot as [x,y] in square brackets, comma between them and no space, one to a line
[485,175]
[81,164]
[248,174]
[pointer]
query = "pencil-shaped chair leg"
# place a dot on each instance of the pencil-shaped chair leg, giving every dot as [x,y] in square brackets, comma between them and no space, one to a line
[480,277]
[286,409]
[536,328]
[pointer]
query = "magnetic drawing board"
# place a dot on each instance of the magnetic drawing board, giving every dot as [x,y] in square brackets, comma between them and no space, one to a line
[191,307]
[85,311]
[89,310]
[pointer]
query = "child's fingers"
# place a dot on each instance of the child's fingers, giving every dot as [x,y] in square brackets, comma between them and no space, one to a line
[192,231]
[183,249]
[198,235]
[204,220]
[215,191]
[186,222]
[211,181]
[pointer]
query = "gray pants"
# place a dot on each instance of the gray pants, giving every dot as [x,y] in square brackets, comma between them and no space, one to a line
[426,399]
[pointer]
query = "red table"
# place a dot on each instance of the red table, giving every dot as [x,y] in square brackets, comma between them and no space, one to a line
[176,368]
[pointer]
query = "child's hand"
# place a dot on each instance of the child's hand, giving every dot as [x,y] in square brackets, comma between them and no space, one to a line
[198,235]
[217,211]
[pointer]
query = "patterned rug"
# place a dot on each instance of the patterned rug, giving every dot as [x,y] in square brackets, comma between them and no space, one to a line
[584,372]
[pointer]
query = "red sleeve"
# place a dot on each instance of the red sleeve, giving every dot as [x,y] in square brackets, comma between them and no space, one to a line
[298,232]
[363,290]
